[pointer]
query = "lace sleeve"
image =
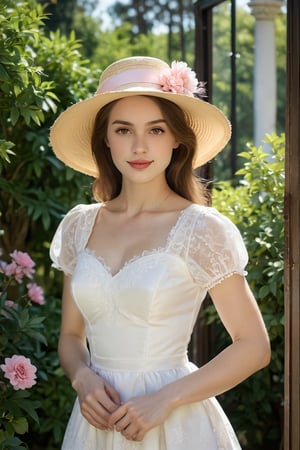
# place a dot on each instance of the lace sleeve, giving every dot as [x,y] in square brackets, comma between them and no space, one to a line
[216,249]
[63,247]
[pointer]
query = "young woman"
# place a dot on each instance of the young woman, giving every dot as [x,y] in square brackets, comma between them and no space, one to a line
[139,262]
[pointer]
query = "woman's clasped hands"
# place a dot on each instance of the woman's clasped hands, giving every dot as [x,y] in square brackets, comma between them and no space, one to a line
[101,406]
[138,415]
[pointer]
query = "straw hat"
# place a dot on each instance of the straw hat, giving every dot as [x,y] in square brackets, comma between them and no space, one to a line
[70,135]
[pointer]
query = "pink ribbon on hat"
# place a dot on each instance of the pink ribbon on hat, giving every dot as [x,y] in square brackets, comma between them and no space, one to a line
[131,77]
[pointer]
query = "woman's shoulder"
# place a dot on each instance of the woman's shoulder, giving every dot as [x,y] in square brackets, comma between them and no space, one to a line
[81,213]
[206,214]
[84,209]
[78,219]
[72,234]
[209,215]
[210,224]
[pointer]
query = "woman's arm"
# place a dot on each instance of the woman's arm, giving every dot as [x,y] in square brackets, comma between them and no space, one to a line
[96,397]
[72,348]
[249,352]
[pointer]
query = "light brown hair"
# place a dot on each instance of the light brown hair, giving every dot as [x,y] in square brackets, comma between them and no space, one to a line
[179,174]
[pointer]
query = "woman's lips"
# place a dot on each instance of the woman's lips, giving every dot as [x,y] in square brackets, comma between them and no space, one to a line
[140,164]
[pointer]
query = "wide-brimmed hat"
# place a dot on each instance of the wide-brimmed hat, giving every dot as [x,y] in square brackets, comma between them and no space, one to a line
[70,135]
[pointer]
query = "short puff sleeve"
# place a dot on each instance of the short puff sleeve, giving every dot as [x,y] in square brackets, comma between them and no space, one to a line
[216,249]
[71,236]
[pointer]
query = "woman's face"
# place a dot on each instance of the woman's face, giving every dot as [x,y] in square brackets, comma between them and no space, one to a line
[139,139]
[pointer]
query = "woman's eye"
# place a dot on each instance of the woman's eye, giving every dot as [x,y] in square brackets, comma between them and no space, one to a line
[157,131]
[122,131]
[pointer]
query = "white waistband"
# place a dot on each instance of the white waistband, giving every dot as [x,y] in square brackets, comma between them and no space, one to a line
[140,364]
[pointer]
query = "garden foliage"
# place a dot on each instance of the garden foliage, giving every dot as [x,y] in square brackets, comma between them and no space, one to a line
[39,76]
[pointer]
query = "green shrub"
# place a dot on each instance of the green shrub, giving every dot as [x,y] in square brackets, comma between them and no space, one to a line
[21,335]
[39,77]
[256,207]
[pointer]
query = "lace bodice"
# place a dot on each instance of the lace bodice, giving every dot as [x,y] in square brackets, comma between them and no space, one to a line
[153,294]
[207,241]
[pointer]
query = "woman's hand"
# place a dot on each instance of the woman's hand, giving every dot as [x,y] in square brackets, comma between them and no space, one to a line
[97,398]
[139,414]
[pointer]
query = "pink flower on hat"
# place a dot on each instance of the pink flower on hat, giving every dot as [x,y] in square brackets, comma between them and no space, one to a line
[35,293]
[20,372]
[180,79]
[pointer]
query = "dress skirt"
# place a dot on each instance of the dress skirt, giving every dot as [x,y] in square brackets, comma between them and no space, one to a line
[196,426]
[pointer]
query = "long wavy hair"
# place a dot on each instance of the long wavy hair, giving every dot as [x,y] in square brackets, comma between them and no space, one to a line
[179,174]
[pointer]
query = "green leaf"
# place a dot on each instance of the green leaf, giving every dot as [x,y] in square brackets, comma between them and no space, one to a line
[12,443]
[37,336]
[3,74]
[20,425]
[14,115]
[30,406]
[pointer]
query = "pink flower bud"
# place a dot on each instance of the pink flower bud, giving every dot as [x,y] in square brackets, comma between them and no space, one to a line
[35,293]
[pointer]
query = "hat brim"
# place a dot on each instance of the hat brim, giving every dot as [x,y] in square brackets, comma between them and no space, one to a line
[70,135]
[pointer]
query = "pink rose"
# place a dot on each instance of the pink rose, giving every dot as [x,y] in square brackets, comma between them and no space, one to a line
[22,258]
[21,265]
[13,269]
[35,293]
[20,372]
[24,262]
[9,269]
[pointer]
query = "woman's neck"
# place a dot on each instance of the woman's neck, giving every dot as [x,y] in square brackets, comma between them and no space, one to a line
[144,197]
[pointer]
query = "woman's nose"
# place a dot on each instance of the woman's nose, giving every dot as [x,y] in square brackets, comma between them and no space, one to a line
[139,144]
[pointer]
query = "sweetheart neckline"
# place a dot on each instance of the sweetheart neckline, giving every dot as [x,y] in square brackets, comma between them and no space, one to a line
[127,263]
[143,253]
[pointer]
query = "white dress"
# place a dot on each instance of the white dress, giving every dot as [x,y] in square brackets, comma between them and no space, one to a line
[139,322]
